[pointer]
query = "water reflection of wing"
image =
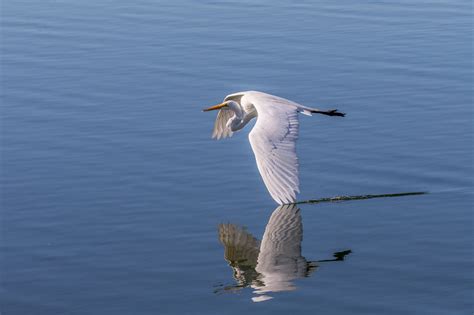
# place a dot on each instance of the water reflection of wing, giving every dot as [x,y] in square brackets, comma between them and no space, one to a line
[241,251]
[275,263]
[280,261]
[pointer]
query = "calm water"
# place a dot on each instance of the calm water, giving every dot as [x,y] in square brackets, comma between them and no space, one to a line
[116,201]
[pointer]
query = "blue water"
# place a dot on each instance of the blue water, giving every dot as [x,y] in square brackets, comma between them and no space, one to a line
[113,192]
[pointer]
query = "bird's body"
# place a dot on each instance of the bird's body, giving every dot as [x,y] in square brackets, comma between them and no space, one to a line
[273,138]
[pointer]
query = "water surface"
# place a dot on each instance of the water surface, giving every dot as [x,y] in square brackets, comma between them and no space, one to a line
[113,192]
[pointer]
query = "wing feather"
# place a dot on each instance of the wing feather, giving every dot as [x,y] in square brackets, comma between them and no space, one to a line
[273,141]
[220,126]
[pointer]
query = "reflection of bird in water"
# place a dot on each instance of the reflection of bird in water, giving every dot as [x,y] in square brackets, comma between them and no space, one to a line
[274,263]
[273,138]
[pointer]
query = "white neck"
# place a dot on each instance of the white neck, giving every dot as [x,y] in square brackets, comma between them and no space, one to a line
[240,118]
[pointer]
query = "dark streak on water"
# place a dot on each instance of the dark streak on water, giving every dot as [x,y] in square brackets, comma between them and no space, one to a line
[112,190]
[361,197]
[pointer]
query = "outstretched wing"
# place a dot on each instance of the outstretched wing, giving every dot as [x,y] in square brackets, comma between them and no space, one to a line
[220,126]
[273,141]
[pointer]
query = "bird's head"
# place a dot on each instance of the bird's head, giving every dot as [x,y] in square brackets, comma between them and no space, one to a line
[229,119]
[232,105]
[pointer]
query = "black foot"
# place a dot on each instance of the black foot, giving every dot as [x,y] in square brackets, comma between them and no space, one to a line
[334,112]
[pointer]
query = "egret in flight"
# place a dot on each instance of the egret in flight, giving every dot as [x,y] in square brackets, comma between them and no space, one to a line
[273,138]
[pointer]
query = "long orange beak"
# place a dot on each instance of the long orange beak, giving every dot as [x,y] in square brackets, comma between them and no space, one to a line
[218,106]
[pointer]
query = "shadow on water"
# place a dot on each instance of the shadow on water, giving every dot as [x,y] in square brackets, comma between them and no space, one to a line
[362,197]
[270,265]
[274,263]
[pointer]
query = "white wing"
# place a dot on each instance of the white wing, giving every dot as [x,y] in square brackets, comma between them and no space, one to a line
[220,126]
[273,140]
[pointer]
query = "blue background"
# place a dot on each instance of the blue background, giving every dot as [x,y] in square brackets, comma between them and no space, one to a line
[112,189]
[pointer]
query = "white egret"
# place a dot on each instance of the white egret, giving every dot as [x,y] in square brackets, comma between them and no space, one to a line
[273,138]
